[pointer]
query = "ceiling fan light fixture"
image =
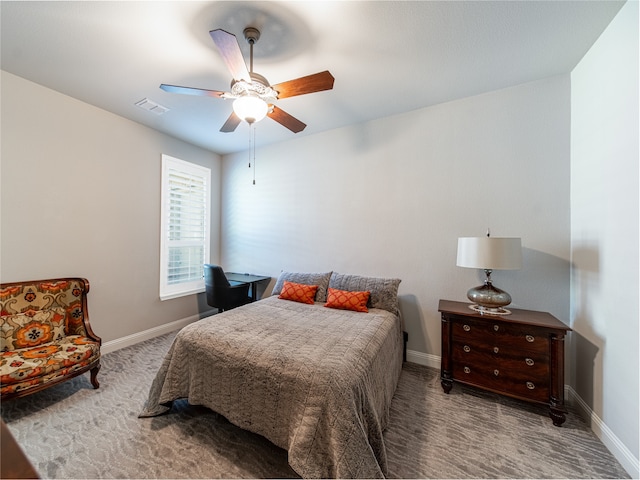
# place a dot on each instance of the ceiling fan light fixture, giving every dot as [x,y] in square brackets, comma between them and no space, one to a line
[250,108]
[254,98]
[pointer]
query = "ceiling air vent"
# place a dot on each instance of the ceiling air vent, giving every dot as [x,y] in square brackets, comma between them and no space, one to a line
[152,107]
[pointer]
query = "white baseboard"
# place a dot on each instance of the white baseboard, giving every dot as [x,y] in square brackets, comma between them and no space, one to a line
[425,359]
[113,345]
[619,450]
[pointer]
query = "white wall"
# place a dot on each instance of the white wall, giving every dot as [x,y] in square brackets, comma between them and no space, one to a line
[80,196]
[390,198]
[604,232]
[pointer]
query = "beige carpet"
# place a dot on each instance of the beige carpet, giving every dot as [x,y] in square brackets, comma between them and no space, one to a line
[73,431]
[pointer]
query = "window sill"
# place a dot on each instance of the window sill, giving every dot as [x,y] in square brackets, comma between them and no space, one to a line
[169,296]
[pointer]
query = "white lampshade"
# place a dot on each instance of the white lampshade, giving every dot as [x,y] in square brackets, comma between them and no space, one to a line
[491,253]
[250,108]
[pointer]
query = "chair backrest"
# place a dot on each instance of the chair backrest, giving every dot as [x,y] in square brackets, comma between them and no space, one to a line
[65,295]
[216,284]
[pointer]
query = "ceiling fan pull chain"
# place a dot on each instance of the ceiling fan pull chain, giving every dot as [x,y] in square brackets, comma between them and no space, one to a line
[250,128]
[253,135]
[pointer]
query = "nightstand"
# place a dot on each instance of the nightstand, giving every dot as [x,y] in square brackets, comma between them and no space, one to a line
[520,355]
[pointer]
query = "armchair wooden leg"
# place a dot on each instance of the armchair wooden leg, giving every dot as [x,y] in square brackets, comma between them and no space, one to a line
[94,376]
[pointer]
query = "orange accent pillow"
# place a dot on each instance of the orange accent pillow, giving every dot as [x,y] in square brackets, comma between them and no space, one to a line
[297,292]
[345,300]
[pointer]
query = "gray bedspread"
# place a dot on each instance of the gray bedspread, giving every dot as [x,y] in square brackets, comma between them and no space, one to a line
[315,381]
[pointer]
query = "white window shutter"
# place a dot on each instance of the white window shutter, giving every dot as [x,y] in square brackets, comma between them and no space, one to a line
[185,232]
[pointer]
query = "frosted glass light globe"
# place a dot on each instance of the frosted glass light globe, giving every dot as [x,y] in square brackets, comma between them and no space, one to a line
[250,108]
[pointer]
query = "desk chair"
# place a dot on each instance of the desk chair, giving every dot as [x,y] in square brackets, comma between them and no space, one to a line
[220,293]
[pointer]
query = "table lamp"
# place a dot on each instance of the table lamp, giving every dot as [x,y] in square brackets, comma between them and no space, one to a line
[489,253]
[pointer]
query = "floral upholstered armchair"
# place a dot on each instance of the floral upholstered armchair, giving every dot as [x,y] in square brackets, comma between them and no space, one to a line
[45,335]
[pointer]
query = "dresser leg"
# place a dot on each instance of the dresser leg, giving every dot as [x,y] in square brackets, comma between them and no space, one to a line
[447,384]
[556,401]
[557,416]
[446,378]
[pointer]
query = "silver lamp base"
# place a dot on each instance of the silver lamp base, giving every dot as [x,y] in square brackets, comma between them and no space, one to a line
[488,299]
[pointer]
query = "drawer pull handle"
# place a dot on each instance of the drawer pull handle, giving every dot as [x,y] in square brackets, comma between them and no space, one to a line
[496,372]
[467,370]
[466,348]
[530,385]
[496,349]
[496,327]
[530,338]
[529,361]
[466,328]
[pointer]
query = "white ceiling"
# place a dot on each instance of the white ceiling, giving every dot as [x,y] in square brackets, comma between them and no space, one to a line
[386,57]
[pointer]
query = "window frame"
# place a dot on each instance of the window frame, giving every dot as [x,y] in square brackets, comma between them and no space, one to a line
[180,289]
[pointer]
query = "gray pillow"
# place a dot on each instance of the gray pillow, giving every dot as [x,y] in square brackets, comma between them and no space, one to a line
[384,291]
[320,279]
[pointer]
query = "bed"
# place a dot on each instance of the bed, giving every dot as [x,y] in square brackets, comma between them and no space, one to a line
[313,380]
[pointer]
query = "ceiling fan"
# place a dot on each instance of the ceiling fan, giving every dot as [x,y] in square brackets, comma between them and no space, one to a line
[253,97]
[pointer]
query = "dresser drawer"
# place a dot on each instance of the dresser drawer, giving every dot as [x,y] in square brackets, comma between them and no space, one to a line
[530,364]
[491,334]
[507,380]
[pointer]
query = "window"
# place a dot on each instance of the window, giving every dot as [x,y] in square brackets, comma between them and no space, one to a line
[185,229]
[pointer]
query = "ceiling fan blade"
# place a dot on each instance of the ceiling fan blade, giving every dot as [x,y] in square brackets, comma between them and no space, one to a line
[231,54]
[191,91]
[231,124]
[301,86]
[286,120]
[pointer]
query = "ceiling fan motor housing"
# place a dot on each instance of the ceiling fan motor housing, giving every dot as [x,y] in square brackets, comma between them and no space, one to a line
[255,78]
[259,87]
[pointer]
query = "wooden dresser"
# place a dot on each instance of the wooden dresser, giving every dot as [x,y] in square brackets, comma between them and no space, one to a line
[520,355]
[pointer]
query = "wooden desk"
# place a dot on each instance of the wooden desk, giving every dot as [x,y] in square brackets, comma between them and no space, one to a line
[253,280]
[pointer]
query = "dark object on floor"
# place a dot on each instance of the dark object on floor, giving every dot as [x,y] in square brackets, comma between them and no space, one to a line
[15,463]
